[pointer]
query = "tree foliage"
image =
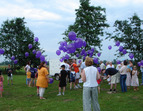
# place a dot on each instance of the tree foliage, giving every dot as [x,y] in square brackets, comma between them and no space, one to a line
[130,34]
[89,25]
[15,37]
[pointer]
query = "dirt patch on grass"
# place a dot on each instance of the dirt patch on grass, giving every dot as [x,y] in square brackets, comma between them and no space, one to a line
[67,100]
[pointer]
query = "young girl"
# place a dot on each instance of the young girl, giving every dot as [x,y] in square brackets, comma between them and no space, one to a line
[135,80]
[72,78]
[28,77]
[1,83]
[128,80]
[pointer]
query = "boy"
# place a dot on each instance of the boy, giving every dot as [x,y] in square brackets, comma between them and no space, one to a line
[62,83]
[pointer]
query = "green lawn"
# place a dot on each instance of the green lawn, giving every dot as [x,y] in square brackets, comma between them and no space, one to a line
[19,97]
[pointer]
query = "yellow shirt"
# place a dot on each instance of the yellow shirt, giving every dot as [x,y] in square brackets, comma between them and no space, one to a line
[28,74]
[42,80]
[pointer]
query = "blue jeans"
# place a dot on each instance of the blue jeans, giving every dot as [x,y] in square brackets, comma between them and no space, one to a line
[142,77]
[123,83]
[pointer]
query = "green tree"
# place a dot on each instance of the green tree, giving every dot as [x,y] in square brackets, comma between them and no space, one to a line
[15,38]
[89,25]
[130,34]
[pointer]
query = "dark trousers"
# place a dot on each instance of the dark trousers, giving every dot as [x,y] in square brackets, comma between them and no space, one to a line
[123,83]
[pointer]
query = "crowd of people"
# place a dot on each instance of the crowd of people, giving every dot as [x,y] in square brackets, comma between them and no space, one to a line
[92,77]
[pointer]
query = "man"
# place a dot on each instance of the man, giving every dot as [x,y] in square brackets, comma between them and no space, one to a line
[76,69]
[113,73]
[9,75]
[102,66]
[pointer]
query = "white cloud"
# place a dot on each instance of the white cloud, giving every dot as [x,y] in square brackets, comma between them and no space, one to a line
[28,11]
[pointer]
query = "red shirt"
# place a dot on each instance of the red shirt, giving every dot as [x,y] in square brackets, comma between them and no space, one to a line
[76,69]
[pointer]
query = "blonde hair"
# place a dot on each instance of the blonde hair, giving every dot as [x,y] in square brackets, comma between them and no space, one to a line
[88,61]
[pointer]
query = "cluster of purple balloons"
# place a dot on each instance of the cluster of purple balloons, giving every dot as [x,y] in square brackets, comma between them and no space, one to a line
[2,51]
[140,63]
[14,60]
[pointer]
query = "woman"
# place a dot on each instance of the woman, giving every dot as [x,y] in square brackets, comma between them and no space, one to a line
[42,80]
[123,76]
[90,75]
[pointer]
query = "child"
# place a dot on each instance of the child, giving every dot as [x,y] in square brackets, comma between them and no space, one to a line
[36,76]
[33,71]
[99,82]
[62,83]
[28,77]
[135,80]
[1,83]
[128,80]
[72,78]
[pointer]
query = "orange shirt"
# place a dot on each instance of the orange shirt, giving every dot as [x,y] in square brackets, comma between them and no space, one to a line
[28,74]
[42,80]
[76,69]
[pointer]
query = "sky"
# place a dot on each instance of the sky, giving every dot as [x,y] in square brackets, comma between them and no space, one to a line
[48,19]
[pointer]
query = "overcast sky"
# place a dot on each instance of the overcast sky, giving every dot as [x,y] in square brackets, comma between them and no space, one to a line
[48,19]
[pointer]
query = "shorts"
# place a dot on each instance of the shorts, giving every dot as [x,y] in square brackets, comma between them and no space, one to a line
[33,76]
[9,78]
[28,79]
[72,79]
[62,84]
[115,78]
[77,76]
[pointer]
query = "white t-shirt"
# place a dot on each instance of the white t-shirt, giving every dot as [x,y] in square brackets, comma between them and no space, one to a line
[108,66]
[27,67]
[67,66]
[83,65]
[90,73]
[102,66]
[118,67]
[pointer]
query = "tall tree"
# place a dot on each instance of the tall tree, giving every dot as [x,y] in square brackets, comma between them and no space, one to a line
[89,25]
[15,38]
[130,34]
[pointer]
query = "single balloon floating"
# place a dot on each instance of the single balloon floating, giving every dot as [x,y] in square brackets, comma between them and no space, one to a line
[36,39]
[72,35]
[99,69]
[79,61]
[131,55]
[30,46]
[141,62]
[2,51]
[99,54]
[109,47]
[58,52]
[95,60]
[117,43]
[118,62]
[26,54]
[13,57]
[15,61]
[51,80]
[34,51]
[42,58]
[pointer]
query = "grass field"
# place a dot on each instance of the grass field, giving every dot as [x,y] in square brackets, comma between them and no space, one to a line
[19,97]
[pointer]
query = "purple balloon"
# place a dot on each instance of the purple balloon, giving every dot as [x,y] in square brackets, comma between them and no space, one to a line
[26,54]
[141,62]
[13,57]
[84,43]
[34,51]
[38,54]
[131,55]
[36,39]
[79,61]
[99,54]
[30,46]
[99,69]
[15,61]
[67,56]
[72,35]
[51,80]
[78,43]
[92,49]
[117,43]
[118,62]
[2,51]
[42,58]
[84,57]
[124,51]
[61,60]
[95,60]
[121,48]
[109,47]
[58,52]
[77,55]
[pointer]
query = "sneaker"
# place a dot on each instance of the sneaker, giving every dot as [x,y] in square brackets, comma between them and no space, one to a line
[75,87]
[59,94]
[114,91]
[70,88]
[63,93]
[79,86]
[37,94]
